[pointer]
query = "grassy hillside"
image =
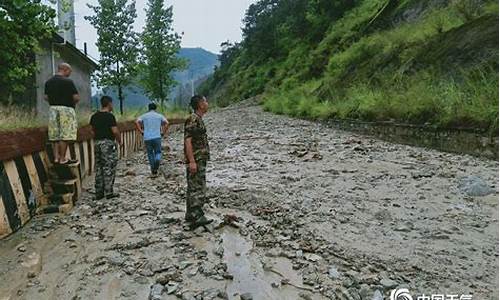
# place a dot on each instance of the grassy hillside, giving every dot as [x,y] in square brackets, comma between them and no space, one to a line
[422,62]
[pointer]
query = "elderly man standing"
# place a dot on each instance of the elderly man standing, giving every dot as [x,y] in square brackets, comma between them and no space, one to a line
[61,93]
[197,154]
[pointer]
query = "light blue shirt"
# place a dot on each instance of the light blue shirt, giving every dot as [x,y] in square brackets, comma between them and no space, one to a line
[152,121]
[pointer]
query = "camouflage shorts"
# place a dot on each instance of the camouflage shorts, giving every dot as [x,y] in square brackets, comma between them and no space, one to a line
[62,123]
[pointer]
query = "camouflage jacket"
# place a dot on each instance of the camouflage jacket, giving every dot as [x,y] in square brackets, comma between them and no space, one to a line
[194,128]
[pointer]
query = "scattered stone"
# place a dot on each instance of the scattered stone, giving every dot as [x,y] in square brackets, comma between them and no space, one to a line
[388,283]
[333,273]
[172,287]
[377,295]
[408,227]
[312,257]
[246,296]
[305,296]
[33,263]
[219,251]
[184,264]
[155,292]
[474,186]
[141,279]
[130,173]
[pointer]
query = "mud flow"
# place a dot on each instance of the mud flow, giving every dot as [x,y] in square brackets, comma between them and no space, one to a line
[301,211]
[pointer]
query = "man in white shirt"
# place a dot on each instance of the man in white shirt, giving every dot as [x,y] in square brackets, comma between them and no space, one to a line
[153,126]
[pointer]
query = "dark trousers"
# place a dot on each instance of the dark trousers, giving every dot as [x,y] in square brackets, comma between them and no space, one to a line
[106,159]
[153,149]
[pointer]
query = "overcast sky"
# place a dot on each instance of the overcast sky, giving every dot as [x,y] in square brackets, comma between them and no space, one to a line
[205,23]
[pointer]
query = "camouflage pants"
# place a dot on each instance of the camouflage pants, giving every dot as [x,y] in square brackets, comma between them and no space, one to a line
[196,191]
[106,158]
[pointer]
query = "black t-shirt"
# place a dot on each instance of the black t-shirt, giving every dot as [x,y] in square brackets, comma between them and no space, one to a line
[60,91]
[102,123]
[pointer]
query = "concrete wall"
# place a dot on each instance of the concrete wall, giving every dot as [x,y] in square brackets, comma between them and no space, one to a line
[456,140]
[48,59]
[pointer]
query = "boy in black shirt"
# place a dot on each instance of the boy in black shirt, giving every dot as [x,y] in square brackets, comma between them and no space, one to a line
[106,136]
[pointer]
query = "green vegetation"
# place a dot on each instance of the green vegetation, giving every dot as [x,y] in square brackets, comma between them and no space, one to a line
[117,43]
[160,45]
[420,62]
[22,24]
[18,118]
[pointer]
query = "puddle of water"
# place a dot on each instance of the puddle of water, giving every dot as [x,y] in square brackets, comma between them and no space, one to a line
[249,274]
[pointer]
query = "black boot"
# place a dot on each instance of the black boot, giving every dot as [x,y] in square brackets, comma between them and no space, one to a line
[197,218]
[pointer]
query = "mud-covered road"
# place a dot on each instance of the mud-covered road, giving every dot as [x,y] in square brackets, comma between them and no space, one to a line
[320,214]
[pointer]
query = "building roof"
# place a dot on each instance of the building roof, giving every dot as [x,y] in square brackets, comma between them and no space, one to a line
[56,38]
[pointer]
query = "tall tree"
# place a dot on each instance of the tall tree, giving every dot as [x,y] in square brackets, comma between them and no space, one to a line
[160,46]
[23,23]
[117,43]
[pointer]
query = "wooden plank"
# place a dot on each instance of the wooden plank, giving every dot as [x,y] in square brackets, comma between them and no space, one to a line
[92,157]
[77,154]
[41,169]
[136,137]
[86,158]
[124,138]
[136,145]
[35,180]
[135,141]
[129,143]
[46,161]
[125,148]
[9,200]
[17,188]
[4,221]
[80,173]
[120,148]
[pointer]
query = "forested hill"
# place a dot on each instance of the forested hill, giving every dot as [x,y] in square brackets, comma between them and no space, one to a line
[200,63]
[423,62]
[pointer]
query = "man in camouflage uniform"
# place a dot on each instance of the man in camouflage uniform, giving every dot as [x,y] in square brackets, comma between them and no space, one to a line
[197,154]
[106,135]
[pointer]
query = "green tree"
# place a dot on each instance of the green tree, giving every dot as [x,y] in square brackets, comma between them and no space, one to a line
[160,46]
[23,23]
[117,43]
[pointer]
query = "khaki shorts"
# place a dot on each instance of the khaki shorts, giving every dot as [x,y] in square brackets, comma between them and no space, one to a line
[62,123]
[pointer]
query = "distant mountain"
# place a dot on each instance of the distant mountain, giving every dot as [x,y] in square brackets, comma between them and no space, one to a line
[201,64]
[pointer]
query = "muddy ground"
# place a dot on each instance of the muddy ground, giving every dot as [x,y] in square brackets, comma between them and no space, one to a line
[321,214]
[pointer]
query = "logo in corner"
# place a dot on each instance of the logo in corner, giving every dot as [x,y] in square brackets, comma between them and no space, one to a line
[401,294]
